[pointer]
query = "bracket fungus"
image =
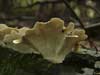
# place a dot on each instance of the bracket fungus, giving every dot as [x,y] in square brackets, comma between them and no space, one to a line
[50,39]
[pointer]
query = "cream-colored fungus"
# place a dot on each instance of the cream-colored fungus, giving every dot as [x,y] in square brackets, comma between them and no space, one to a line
[50,39]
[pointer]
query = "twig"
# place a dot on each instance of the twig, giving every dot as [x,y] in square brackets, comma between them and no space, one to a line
[92,25]
[82,25]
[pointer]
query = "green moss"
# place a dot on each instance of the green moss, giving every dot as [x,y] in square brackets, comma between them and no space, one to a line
[11,63]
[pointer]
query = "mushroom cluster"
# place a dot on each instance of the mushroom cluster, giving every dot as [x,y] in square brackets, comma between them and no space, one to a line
[50,39]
